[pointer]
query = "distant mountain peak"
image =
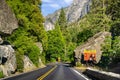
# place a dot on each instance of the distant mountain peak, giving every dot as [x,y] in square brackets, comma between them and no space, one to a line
[76,1]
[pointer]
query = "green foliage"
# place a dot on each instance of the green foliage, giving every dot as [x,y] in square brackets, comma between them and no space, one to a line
[84,35]
[30,31]
[33,53]
[116,49]
[107,52]
[62,20]
[24,46]
[113,9]
[1,74]
[111,47]
[19,60]
[55,44]
[69,51]
[78,64]
[115,29]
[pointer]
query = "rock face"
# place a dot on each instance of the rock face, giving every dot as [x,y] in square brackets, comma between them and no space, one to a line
[28,64]
[8,22]
[41,50]
[7,59]
[73,13]
[93,43]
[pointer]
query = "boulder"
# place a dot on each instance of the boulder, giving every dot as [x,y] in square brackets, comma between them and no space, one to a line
[8,21]
[7,59]
[93,43]
[28,64]
[41,50]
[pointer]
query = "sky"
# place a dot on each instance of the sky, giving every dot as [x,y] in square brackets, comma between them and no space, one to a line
[50,6]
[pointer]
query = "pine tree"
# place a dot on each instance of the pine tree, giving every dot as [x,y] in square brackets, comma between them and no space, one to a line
[62,20]
[55,44]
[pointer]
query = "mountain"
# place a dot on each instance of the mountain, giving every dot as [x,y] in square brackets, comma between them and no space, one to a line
[73,13]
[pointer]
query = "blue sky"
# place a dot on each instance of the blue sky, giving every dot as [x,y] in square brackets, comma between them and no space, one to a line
[50,6]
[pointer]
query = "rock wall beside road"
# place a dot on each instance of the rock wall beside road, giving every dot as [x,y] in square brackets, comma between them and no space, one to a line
[7,59]
[8,23]
[102,75]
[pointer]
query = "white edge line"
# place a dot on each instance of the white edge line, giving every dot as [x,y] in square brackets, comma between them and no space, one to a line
[80,74]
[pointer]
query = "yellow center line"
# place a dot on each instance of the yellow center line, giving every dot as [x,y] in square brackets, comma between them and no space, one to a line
[46,74]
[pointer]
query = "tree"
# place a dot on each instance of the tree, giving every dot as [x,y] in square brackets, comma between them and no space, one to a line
[106,58]
[116,49]
[62,20]
[55,44]
[113,9]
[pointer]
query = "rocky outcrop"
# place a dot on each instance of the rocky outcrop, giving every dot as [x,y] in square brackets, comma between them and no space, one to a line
[8,22]
[7,59]
[28,64]
[93,43]
[39,45]
[73,13]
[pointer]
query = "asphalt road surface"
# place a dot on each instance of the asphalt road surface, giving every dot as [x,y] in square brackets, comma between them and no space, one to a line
[51,72]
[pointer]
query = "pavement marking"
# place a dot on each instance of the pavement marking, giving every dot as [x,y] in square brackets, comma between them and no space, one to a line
[80,74]
[46,74]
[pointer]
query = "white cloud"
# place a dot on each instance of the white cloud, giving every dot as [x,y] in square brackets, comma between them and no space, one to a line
[48,1]
[68,1]
[49,6]
[55,6]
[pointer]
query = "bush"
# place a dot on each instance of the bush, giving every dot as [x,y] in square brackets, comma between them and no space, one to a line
[1,74]
[78,64]
[20,63]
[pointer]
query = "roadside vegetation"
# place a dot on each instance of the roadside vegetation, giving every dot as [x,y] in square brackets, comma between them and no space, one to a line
[30,31]
[1,74]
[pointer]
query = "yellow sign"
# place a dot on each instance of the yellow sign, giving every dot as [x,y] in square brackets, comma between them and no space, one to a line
[90,51]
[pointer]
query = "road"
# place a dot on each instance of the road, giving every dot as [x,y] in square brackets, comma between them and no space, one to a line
[56,72]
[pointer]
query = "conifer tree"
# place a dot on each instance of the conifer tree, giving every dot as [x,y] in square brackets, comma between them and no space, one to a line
[55,44]
[62,20]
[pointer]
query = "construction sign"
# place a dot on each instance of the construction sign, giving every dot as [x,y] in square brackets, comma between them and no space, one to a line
[89,55]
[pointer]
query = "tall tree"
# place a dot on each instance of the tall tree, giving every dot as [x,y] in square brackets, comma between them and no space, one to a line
[62,20]
[55,44]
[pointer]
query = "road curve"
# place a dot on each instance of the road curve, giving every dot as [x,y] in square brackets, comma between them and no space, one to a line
[56,72]
[64,72]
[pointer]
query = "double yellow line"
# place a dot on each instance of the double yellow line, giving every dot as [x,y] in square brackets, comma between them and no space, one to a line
[46,74]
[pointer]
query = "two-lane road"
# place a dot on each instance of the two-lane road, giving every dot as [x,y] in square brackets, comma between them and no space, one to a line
[57,72]
[63,72]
